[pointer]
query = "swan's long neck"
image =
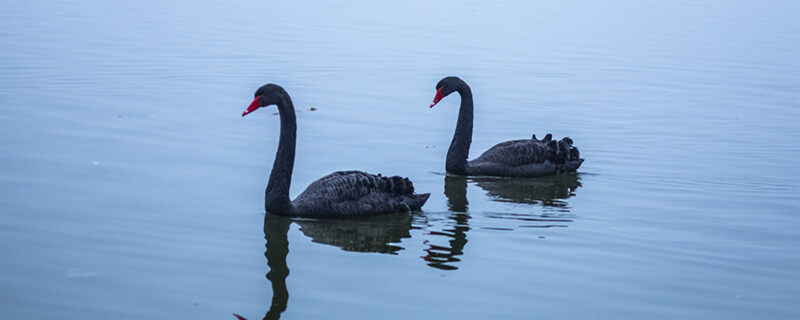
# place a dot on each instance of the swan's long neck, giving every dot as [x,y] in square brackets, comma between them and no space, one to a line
[459,148]
[276,199]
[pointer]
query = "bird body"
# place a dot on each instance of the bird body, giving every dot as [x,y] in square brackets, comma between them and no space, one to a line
[357,193]
[526,158]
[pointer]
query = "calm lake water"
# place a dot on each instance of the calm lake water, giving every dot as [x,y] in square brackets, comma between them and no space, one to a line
[132,188]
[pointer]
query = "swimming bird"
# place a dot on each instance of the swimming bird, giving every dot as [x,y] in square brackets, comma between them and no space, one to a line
[516,158]
[339,194]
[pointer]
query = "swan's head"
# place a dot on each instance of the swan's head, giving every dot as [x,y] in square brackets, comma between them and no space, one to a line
[267,95]
[445,87]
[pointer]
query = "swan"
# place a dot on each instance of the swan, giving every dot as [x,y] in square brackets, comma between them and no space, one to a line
[516,158]
[339,194]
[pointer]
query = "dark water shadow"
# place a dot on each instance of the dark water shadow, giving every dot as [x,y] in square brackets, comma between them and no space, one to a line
[445,257]
[550,193]
[276,230]
[384,234]
[381,234]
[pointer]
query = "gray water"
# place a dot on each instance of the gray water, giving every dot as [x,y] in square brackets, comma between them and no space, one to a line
[131,187]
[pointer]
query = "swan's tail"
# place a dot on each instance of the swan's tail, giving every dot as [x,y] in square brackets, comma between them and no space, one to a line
[396,184]
[416,201]
[561,152]
[403,187]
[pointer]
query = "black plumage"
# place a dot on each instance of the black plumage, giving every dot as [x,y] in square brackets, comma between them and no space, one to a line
[356,193]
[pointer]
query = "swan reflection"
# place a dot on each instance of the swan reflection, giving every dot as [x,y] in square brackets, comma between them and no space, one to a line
[444,256]
[384,234]
[380,234]
[276,229]
[550,193]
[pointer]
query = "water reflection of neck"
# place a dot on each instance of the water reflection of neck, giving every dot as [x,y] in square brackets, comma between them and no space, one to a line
[455,189]
[443,257]
[276,229]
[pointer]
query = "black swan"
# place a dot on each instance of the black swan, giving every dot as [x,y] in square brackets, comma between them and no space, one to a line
[515,158]
[339,194]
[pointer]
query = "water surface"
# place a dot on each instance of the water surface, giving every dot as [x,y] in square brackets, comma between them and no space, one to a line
[131,188]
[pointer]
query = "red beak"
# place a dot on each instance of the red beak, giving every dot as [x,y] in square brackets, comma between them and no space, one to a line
[253,106]
[438,97]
